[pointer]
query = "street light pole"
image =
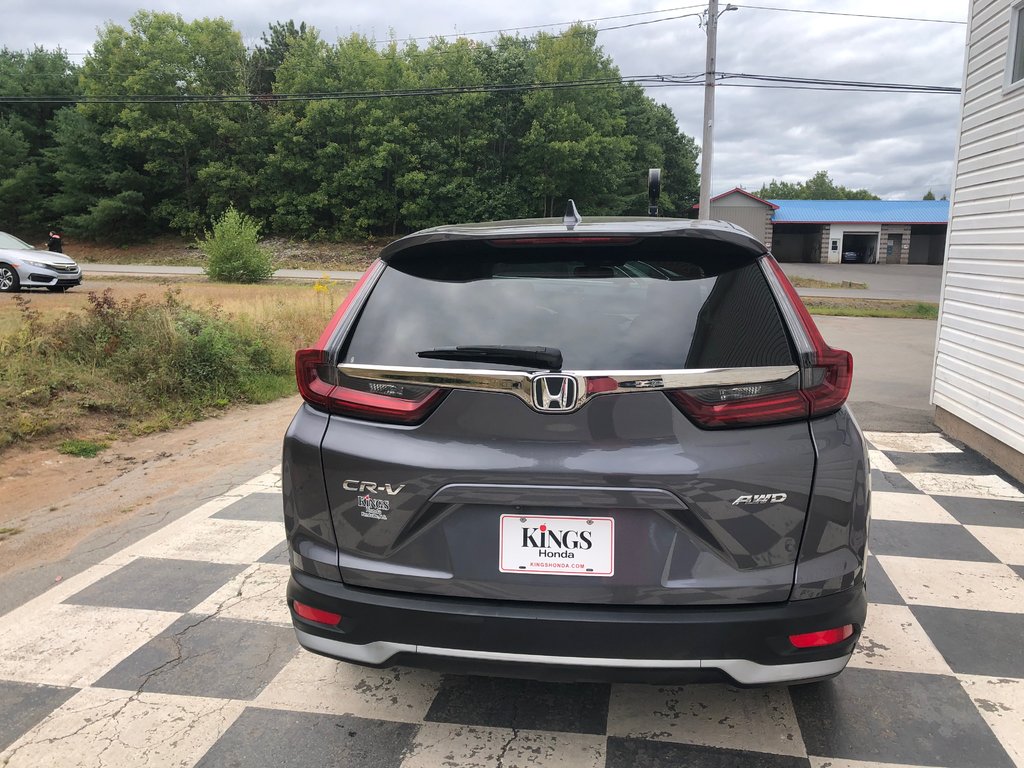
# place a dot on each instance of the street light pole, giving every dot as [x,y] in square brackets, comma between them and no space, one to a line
[707,148]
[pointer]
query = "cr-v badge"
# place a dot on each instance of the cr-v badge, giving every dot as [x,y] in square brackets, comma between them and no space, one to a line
[370,505]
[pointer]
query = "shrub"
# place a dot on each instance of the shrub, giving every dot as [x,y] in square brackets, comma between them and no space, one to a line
[233,250]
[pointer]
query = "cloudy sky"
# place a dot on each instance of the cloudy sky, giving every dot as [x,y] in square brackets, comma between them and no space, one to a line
[896,145]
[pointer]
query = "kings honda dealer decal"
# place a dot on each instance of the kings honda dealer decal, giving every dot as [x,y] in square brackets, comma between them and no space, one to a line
[579,546]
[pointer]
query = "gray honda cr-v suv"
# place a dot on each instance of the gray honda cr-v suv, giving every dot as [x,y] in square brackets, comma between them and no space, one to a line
[614,449]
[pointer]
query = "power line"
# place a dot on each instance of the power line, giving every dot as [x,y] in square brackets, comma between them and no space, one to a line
[517,27]
[824,83]
[733,79]
[853,15]
[649,21]
[562,24]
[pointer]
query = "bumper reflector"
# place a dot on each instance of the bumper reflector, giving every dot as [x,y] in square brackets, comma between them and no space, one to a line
[310,613]
[818,639]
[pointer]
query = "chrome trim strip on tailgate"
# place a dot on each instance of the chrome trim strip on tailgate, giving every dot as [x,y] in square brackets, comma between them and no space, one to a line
[571,496]
[590,384]
[741,670]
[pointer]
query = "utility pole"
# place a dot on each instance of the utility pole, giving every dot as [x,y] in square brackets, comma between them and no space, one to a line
[707,148]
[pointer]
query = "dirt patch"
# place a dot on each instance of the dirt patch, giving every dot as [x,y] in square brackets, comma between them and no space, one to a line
[52,502]
[811,282]
[849,307]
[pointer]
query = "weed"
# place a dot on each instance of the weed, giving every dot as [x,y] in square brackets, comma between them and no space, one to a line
[86,449]
[324,284]
[140,365]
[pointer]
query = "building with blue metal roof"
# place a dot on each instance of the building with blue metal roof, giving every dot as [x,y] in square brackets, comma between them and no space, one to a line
[861,211]
[841,231]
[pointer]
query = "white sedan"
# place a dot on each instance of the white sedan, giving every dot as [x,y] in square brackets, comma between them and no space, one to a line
[22,266]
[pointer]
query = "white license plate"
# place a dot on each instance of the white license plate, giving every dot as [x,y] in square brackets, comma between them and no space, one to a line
[578,546]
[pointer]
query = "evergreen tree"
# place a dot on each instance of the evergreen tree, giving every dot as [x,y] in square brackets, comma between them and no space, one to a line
[27,180]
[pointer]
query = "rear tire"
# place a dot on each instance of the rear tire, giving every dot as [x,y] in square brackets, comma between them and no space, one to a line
[9,282]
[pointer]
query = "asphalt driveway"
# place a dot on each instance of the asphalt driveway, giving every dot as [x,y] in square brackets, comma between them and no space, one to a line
[892,369]
[906,282]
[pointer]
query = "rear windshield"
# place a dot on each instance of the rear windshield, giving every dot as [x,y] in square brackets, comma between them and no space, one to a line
[667,305]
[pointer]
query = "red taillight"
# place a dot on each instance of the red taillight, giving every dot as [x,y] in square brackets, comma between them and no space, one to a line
[819,639]
[835,369]
[313,389]
[785,406]
[345,401]
[309,613]
[355,403]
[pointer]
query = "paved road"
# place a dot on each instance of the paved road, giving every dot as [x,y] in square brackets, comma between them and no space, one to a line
[909,282]
[892,369]
[885,281]
[176,650]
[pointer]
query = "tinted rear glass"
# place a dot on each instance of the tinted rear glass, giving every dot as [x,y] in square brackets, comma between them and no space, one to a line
[648,306]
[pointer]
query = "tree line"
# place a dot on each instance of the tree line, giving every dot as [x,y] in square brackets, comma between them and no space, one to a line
[819,187]
[324,167]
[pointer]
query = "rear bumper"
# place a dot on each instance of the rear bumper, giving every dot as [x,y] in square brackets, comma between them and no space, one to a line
[746,644]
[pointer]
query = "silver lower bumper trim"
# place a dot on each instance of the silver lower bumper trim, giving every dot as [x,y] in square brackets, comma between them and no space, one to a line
[741,670]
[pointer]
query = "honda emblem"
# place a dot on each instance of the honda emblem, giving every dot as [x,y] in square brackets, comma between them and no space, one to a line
[554,392]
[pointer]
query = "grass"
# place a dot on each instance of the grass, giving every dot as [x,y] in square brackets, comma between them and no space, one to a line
[86,449]
[7,532]
[295,311]
[89,367]
[916,310]
[810,282]
[287,254]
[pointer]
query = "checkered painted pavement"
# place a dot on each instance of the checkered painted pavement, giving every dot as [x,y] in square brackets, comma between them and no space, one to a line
[178,651]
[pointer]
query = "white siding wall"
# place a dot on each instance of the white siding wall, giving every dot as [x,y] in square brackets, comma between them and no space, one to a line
[979,362]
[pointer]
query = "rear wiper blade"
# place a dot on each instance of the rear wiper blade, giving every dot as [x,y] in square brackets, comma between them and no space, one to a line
[528,357]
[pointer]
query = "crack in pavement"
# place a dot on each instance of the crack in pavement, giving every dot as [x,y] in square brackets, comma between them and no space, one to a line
[505,747]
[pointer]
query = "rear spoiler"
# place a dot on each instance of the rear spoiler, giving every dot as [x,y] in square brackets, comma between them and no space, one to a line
[539,229]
